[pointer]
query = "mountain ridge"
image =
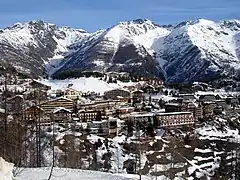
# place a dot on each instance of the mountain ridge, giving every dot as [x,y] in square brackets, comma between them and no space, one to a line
[196,50]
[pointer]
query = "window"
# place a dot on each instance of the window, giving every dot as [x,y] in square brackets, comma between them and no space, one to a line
[113,124]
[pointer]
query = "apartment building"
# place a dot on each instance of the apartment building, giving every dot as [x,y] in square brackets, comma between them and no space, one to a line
[116,93]
[34,114]
[175,119]
[91,115]
[61,114]
[50,105]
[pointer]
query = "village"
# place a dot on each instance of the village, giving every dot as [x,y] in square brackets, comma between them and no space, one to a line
[142,111]
[147,103]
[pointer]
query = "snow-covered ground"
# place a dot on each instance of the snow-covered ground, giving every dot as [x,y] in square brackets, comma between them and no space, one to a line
[73,174]
[5,170]
[86,84]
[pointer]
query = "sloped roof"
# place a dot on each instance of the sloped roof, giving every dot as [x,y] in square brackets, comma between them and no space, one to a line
[60,109]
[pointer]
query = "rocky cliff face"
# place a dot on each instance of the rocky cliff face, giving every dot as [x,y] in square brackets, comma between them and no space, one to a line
[190,51]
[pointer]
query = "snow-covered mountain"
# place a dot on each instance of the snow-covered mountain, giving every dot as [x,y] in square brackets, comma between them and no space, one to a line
[29,46]
[189,51]
[126,46]
[200,50]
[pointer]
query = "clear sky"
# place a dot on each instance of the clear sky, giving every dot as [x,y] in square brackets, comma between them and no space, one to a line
[98,14]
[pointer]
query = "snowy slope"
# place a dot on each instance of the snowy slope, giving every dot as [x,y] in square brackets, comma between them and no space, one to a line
[126,46]
[73,174]
[29,46]
[200,50]
[85,84]
[5,170]
[192,50]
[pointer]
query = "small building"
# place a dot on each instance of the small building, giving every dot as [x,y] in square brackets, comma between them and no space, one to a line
[114,126]
[113,94]
[138,96]
[174,119]
[90,115]
[187,97]
[123,99]
[148,89]
[143,117]
[71,93]
[61,114]
[222,103]
[207,98]
[15,104]
[173,107]
[98,127]
[123,112]
[233,101]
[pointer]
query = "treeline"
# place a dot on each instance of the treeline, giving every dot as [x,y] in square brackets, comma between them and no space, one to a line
[76,73]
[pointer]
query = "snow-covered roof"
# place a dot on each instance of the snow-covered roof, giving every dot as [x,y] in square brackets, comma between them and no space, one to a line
[173,104]
[173,113]
[134,114]
[139,90]
[60,109]
[20,96]
[58,98]
[2,110]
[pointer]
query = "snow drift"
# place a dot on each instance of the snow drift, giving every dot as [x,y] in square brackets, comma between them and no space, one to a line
[6,170]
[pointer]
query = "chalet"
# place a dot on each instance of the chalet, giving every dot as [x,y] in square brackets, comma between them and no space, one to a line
[149,89]
[61,114]
[175,119]
[173,107]
[112,74]
[207,98]
[113,94]
[138,95]
[59,92]
[187,97]
[34,114]
[197,87]
[98,127]
[50,105]
[218,110]
[155,82]
[15,104]
[124,75]
[123,99]
[222,103]
[233,101]
[130,88]
[202,85]
[71,93]
[90,115]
